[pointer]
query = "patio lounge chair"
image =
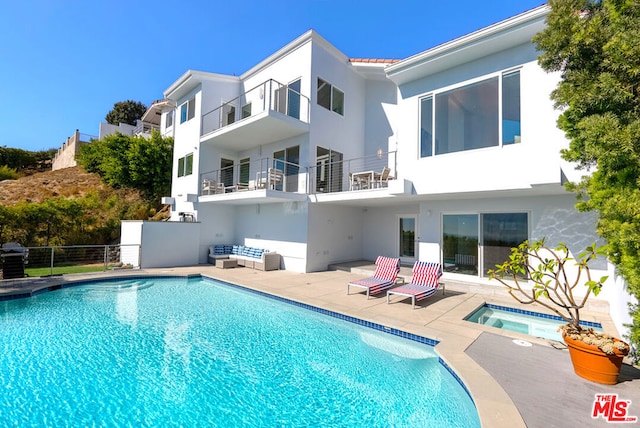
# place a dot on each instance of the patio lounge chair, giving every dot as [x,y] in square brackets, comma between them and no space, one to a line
[384,277]
[424,283]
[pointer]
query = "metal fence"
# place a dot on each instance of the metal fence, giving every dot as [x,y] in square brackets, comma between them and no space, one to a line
[57,260]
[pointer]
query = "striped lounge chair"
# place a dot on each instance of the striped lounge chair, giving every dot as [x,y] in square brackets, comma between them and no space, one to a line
[424,283]
[384,277]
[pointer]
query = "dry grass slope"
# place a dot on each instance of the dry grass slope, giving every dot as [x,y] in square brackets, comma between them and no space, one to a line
[68,183]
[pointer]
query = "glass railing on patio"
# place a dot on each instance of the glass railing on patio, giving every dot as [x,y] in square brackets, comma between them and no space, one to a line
[265,173]
[332,174]
[269,95]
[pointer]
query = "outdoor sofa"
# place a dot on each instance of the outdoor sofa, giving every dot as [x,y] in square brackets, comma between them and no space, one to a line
[252,257]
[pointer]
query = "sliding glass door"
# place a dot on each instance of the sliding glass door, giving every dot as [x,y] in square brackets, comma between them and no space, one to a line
[460,243]
[500,233]
[474,243]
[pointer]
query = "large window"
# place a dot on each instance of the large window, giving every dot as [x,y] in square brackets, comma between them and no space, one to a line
[185,165]
[330,97]
[473,240]
[188,110]
[471,117]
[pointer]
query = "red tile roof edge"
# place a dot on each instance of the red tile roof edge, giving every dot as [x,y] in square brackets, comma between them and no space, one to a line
[374,60]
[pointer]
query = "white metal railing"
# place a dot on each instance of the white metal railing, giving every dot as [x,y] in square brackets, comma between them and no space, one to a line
[329,175]
[145,128]
[57,260]
[269,95]
[365,173]
[265,173]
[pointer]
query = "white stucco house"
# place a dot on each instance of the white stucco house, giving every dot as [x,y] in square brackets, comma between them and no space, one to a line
[451,155]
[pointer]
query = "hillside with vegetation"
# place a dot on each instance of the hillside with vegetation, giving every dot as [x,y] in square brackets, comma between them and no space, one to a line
[119,178]
[66,207]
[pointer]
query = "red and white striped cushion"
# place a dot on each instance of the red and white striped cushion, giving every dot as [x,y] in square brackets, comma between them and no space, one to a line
[426,273]
[387,268]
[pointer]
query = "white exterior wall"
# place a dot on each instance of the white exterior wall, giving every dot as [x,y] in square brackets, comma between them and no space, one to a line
[380,229]
[534,161]
[330,130]
[335,234]
[130,235]
[217,227]
[163,244]
[276,227]
[380,116]
[187,140]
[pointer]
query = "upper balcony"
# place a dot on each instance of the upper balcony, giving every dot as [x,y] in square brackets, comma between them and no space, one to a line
[269,112]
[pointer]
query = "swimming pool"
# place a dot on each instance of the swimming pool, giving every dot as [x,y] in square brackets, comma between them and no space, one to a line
[521,321]
[196,352]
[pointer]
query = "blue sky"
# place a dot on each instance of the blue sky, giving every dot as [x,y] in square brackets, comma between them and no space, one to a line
[63,63]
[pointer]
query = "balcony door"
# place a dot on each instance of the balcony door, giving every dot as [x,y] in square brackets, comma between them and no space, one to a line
[407,239]
[226,172]
[287,99]
[287,160]
[293,99]
[328,170]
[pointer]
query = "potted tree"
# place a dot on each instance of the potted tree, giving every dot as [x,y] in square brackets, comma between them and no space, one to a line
[536,273]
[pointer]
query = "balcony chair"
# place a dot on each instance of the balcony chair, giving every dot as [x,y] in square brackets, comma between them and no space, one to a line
[383,179]
[271,179]
[211,187]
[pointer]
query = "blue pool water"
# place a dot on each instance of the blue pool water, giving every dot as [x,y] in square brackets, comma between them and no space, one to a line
[521,321]
[194,352]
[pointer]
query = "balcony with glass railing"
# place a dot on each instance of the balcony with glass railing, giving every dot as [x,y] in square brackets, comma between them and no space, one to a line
[266,113]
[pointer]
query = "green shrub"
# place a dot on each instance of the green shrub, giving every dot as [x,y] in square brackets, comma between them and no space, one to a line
[7,173]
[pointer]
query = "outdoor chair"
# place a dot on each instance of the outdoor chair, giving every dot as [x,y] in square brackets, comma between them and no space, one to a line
[211,187]
[271,179]
[383,179]
[384,277]
[424,283]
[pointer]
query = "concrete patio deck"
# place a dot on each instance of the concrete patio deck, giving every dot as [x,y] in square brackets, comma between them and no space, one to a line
[511,385]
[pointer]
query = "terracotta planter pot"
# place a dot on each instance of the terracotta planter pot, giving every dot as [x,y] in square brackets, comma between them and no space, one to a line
[591,363]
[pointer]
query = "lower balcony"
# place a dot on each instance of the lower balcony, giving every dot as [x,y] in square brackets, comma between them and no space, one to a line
[264,180]
[276,180]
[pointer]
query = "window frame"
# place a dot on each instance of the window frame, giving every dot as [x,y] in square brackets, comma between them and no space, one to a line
[458,86]
[481,236]
[168,123]
[188,110]
[332,90]
[185,165]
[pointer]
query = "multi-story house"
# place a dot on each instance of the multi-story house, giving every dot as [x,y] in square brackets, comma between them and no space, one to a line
[451,155]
